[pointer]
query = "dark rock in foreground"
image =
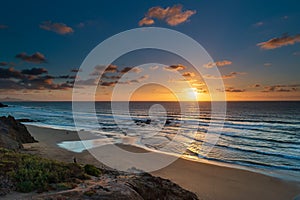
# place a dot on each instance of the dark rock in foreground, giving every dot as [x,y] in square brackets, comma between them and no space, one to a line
[13,134]
[150,187]
[123,186]
[3,105]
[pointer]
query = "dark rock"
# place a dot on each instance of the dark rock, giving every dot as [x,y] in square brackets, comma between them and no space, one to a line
[168,121]
[173,122]
[3,105]
[13,134]
[150,187]
[125,186]
[142,121]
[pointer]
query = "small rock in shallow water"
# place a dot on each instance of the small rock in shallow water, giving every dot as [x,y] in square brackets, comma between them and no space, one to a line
[3,105]
[26,120]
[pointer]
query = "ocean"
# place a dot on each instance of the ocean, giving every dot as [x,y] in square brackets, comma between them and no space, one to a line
[258,136]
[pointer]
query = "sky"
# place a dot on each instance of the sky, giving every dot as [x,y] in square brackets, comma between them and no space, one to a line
[254,44]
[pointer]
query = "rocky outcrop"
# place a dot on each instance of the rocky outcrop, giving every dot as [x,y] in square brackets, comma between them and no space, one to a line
[3,105]
[151,187]
[13,134]
[123,186]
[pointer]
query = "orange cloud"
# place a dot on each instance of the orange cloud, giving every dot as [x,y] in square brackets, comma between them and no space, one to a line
[256,85]
[175,67]
[226,76]
[37,57]
[281,88]
[146,21]
[99,69]
[279,42]
[108,84]
[176,16]
[232,89]
[157,12]
[232,75]
[154,67]
[131,69]
[59,28]
[217,64]
[138,80]
[113,83]
[171,15]
[188,74]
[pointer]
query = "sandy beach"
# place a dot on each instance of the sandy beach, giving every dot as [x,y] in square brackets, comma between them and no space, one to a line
[208,181]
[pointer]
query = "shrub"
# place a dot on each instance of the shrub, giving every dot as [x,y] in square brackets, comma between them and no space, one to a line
[64,186]
[30,172]
[92,170]
[25,186]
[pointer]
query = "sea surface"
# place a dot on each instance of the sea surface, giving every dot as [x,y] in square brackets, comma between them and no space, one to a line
[260,136]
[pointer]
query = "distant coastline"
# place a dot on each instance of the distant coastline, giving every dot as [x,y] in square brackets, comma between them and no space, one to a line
[242,101]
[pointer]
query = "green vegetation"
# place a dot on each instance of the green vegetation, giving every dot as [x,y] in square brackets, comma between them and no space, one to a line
[30,172]
[92,170]
[64,186]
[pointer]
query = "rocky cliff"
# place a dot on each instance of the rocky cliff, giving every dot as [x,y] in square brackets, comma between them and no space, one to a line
[13,134]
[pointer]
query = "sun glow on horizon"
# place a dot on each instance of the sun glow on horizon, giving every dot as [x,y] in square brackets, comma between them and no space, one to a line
[191,94]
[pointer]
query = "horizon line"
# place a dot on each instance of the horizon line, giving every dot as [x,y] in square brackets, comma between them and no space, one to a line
[293,100]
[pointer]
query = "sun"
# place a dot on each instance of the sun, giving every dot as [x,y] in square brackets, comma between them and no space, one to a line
[191,94]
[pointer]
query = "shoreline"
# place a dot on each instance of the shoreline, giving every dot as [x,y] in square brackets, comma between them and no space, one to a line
[275,174]
[207,180]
